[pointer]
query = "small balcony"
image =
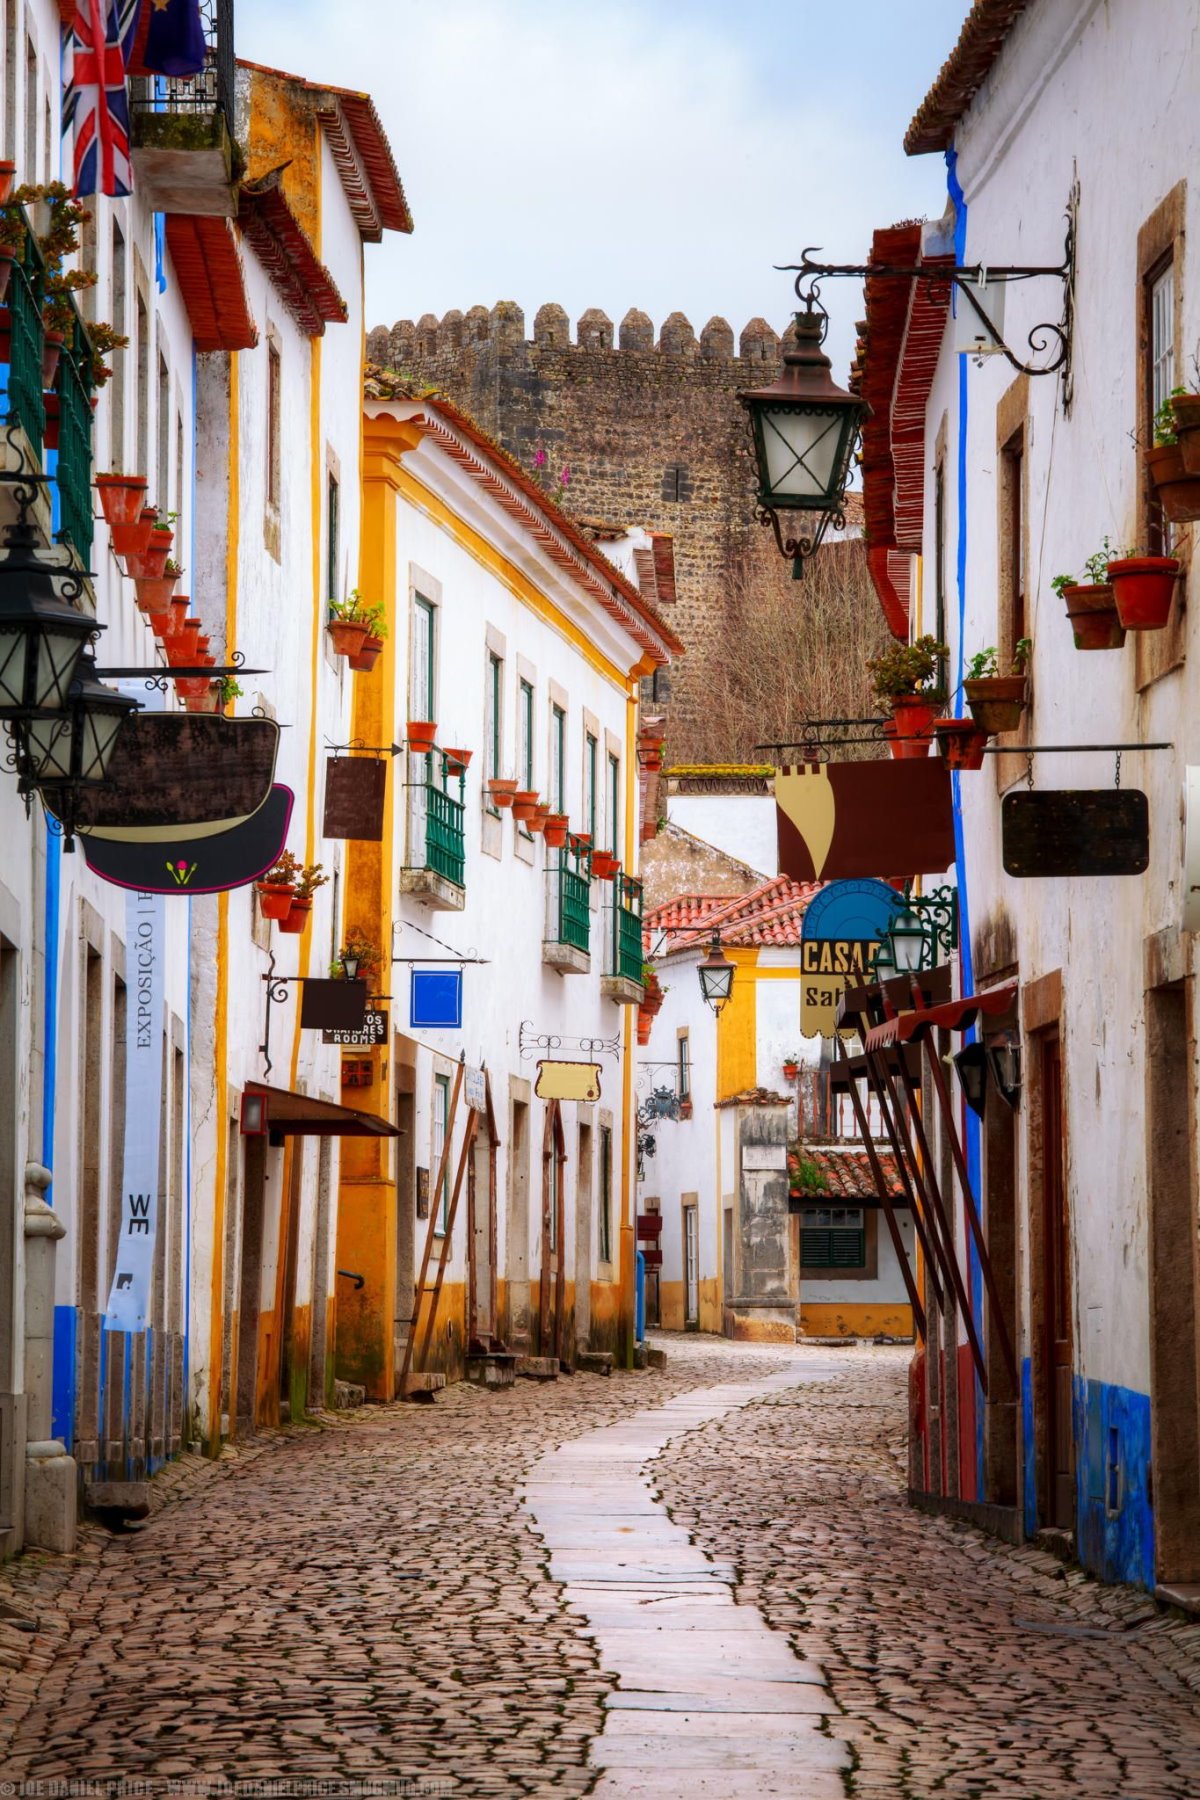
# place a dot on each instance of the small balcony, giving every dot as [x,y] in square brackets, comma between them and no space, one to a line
[182,143]
[566,946]
[435,874]
[622,979]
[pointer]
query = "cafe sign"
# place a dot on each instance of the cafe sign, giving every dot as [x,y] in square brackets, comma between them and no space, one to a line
[843,928]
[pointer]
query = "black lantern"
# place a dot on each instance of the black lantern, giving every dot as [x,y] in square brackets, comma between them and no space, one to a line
[61,752]
[972,1065]
[804,428]
[350,965]
[907,948]
[41,633]
[1004,1058]
[716,975]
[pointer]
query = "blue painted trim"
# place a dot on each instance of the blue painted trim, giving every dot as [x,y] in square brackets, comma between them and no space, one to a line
[62,1380]
[1114,1519]
[50,935]
[1028,1451]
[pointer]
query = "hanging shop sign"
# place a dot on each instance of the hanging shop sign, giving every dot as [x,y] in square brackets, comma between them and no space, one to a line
[174,773]
[145,954]
[332,1005]
[186,864]
[355,791]
[475,1089]
[843,928]
[435,1000]
[372,1031]
[841,821]
[1075,831]
[567,1081]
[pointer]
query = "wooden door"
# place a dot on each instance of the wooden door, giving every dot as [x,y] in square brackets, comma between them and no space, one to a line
[1056,1243]
[481,1228]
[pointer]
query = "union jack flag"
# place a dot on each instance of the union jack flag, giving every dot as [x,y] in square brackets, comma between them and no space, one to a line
[95,103]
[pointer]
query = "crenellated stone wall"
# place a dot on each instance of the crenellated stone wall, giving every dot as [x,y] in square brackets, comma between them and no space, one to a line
[649,428]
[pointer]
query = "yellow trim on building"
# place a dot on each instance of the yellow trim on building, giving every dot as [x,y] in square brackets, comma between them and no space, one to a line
[737,1028]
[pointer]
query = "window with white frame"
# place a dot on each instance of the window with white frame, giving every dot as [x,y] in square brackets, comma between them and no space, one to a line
[493,717]
[614,805]
[591,778]
[558,759]
[525,732]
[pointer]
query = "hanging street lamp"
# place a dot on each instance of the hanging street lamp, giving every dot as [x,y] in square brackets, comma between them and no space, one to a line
[59,753]
[804,428]
[921,935]
[716,975]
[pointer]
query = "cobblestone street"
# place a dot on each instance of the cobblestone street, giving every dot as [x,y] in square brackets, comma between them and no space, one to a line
[369,1599]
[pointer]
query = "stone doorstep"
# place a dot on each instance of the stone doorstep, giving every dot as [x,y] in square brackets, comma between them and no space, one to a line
[347,1394]
[538,1368]
[594,1362]
[423,1387]
[1184,1596]
[129,1498]
[492,1371]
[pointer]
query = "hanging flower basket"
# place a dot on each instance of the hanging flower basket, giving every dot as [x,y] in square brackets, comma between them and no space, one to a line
[1143,588]
[422,735]
[525,804]
[960,742]
[297,916]
[134,538]
[605,865]
[555,830]
[154,596]
[367,655]
[147,560]
[348,635]
[52,344]
[122,498]
[1177,492]
[537,818]
[1186,408]
[275,899]
[1093,615]
[996,703]
[209,702]
[457,760]
[790,1071]
[501,791]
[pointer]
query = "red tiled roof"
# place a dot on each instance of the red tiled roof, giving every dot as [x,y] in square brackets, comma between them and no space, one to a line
[360,148]
[208,267]
[964,72]
[845,1170]
[275,234]
[754,1097]
[534,508]
[664,565]
[771,914]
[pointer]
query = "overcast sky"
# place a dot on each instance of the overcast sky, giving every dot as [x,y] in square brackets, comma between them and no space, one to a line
[654,153]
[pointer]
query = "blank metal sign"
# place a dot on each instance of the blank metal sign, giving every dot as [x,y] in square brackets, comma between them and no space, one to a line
[1075,831]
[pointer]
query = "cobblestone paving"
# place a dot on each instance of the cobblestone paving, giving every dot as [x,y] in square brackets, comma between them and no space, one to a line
[963,1667]
[361,1600]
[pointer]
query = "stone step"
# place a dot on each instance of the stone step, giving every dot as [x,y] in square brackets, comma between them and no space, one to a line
[538,1368]
[657,1358]
[595,1362]
[492,1371]
[131,1499]
[423,1387]
[347,1394]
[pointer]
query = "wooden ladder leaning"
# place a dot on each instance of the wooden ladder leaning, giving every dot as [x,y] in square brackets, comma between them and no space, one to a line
[410,1366]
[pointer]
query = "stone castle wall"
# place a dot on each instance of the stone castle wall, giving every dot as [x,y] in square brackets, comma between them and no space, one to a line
[650,430]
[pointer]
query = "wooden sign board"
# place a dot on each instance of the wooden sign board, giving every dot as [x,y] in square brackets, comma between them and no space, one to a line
[355,790]
[649,1226]
[1075,831]
[332,1005]
[568,1081]
[174,770]
[475,1089]
[847,820]
[651,1257]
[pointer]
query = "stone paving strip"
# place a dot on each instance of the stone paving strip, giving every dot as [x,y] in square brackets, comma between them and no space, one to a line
[710,1700]
[962,1668]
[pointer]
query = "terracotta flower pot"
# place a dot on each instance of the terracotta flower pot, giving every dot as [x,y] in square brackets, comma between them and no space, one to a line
[52,344]
[367,655]
[960,742]
[422,735]
[904,749]
[1143,588]
[501,791]
[154,596]
[134,539]
[122,498]
[457,760]
[996,702]
[146,561]
[348,635]
[274,899]
[1177,492]
[161,624]
[181,605]
[605,865]
[790,1071]
[537,818]
[296,917]
[525,804]
[555,830]
[8,174]
[192,687]
[205,703]
[645,1024]
[1186,408]
[1093,615]
[913,717]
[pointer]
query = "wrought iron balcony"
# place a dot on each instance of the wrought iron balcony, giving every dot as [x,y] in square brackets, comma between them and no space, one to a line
[182,127]
[435,873]
[622,980]
[73,473]
[568,923]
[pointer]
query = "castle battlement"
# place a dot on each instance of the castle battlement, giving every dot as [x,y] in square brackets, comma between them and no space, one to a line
[503,329]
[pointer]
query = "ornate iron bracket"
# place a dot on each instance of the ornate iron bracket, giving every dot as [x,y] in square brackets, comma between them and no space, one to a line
[816,739]
[532,1043]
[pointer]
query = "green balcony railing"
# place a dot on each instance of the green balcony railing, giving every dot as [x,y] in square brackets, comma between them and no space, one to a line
[628,955]
[74,389]
[571,913]
[26,337]
[438,824]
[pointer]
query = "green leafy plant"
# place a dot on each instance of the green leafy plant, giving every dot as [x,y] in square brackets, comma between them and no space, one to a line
[285,873]
[806,1175]
[102,340]
[172,568]
[985,664]
[904,669]
[1164,422]
[227,689]
[311,878]
[1095,569]
[360,946]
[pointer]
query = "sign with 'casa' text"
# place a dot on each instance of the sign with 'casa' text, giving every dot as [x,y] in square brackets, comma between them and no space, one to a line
[844,926]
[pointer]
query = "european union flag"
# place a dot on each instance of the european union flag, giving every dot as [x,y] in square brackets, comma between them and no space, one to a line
[175,43]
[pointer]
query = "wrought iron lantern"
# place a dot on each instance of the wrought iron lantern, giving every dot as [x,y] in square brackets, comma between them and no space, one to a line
[1004,1060]
[972,1065]
[921,935]
[42,634]
[350,965]
[716,975]
[59,752]
[804,429]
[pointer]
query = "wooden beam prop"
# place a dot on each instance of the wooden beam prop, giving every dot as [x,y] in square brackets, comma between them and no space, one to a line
[885,1199]
[431,1232]
[925,1226]
[467,1149]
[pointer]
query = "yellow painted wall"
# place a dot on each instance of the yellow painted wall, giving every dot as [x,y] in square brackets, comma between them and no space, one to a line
[849,1319]
[737,1029]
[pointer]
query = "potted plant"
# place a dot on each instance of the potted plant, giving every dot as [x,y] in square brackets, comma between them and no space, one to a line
[905,679]
[153,593]
[501,791]
[996,701]
[1090,605]
[365,658]
[791,1066]
[1143,588]
[224,691]
[525,804]
[960,742]
[8,174]
[422,735]
[359,947]
[457,760]
[347,625]
[13,232]
[1185,407]
[537,818]
[1177,491]
[650,1005]
[555,830]
[309,879]
[146,563]
[277,887]
[650,748]
[605,865]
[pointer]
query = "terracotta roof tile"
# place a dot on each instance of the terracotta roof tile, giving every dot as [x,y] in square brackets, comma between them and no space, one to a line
[964,72]
[208,265]
[758,1096]
[277,237]
[845,1170]
[770,915]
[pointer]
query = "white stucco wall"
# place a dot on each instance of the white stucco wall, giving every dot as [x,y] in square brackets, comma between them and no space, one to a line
[742,825]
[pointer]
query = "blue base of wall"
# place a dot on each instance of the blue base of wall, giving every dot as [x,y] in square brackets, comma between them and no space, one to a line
[1115,1523]
[1028,1453]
